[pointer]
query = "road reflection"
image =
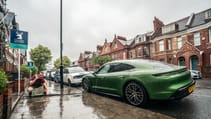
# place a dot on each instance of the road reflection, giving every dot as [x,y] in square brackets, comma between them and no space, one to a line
[113,108]
[37,106]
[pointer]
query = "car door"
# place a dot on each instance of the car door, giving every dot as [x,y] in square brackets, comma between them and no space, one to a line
[112,81]
[100,76]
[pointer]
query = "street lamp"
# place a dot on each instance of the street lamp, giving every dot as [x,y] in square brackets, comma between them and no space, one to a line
[61,48]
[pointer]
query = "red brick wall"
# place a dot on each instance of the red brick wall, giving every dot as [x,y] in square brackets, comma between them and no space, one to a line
[1,106]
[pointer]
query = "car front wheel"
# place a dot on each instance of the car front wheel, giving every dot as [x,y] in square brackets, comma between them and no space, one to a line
[135,94]
[85,85]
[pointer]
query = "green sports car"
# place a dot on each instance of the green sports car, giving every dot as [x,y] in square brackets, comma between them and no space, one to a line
[138,81]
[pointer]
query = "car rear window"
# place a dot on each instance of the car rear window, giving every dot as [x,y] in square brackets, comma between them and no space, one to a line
[156,64]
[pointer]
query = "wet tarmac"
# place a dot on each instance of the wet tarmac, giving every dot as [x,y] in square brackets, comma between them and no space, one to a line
[195,106]
[74,104]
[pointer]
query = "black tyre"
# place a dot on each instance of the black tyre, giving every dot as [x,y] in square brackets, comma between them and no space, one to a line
[86,85]
[135,94]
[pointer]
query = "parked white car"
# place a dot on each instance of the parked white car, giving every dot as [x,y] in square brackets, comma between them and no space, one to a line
[73,75]
[195,74]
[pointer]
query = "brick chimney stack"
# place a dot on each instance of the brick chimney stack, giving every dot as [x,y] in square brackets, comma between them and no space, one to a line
[157,23]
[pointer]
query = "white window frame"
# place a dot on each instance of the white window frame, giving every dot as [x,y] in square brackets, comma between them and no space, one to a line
[196,39]
[169,44]
[161,45]
[210,59]
[209,35]
[179,42]
[146,51]
[139,52]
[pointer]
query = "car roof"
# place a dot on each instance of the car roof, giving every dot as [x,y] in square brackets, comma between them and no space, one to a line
[139,63]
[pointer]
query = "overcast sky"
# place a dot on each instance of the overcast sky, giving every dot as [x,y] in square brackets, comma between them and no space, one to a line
[86,23]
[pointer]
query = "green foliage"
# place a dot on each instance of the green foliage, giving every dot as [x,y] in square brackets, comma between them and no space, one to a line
[66,62]
[34,70]
[100,59]
[25,69]
[3,81]
[40,56]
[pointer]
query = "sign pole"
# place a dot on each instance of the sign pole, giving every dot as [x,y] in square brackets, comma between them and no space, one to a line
[19,72]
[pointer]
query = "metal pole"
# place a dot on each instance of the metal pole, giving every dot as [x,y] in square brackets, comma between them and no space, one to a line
[19,71]
[61,47]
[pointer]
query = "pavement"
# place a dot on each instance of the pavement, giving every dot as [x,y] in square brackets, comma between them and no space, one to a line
[73,103]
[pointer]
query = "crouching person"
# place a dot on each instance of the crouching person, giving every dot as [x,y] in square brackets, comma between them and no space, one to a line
[37,81]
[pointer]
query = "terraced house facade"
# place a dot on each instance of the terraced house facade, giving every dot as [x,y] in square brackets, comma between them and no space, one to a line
[185,42]
[8,56]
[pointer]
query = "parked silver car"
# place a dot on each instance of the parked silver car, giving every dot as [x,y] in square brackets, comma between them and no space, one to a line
[73,75]
[195,74]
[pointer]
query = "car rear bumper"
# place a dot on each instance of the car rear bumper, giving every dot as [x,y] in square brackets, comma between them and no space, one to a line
[183,92]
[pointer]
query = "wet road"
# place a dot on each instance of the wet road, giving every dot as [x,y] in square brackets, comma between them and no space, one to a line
[74,104]
[195,106]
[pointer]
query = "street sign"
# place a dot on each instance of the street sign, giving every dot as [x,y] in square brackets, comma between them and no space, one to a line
[30,64]
[18,39]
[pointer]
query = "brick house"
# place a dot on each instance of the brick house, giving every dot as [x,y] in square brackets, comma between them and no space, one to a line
[140,46]
[117,49]
[185,42]
[8,56]
[85,62]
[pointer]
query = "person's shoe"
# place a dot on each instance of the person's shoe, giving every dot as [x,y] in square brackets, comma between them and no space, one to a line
[30,94]
[44,93]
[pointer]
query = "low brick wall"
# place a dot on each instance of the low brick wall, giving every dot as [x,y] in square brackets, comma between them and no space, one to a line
[7,100]
[22,85]
[1,106]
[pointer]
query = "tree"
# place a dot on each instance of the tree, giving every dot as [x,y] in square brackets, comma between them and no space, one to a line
[66,62]
[40,55]
[100,59]
[26,70]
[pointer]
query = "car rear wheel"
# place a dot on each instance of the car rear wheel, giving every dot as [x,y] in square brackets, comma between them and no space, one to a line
[135,94]
[85,85]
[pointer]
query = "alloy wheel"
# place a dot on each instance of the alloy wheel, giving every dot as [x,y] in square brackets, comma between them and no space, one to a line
[135,94]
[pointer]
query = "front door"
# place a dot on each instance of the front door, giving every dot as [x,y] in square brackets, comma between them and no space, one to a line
[194,61]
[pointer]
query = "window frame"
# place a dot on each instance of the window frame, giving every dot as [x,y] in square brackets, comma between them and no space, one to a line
[169,44]
[139,52]
[210,59]
[196,39]
[161,45]
[179,42]
[146,51]
[209,35]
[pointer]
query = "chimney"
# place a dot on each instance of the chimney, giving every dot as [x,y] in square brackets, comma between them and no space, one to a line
[157,24]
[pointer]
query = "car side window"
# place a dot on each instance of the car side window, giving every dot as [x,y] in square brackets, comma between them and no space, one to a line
[104,69]
[117,67]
